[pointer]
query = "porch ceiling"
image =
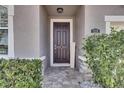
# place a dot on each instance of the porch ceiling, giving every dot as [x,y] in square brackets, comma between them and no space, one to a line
[69,10]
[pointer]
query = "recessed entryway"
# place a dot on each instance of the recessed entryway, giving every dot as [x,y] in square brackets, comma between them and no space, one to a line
[61,36]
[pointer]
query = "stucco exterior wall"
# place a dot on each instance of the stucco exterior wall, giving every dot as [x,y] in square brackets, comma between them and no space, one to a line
[44,36]
[95,15]
[80,27]
[26,28]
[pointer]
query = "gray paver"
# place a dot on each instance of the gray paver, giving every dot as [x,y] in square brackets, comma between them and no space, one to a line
[64,77]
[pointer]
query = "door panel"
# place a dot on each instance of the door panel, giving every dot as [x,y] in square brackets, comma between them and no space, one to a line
[61,42]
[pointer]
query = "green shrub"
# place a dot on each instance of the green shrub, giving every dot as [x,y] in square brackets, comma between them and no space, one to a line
[20,73]
[105,57]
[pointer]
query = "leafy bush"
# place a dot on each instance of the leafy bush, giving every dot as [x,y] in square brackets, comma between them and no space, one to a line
[20,73]
[105,57]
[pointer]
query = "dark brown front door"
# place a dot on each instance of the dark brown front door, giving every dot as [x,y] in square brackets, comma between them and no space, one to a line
[61,42]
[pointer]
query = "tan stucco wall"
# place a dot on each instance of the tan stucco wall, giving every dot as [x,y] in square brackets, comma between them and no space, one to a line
[30,31]
[26,28]
[80,19]
[79,33]
[95,14]
[44,36]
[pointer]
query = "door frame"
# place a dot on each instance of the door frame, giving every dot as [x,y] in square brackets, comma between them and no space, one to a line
[51,42]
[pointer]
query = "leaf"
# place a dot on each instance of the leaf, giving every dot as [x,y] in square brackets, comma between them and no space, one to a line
[103,53]
[20,73]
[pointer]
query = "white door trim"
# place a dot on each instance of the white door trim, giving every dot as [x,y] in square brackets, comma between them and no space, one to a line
[71,64]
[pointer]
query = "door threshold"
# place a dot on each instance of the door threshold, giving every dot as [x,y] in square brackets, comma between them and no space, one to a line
[60,64]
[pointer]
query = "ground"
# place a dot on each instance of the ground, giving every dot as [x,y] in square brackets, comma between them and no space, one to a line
[64,77]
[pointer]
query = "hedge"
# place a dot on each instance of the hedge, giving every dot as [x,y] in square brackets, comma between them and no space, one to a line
[20,73]
[105,57]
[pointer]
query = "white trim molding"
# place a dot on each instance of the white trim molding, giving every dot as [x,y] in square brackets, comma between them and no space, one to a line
[114,18]
[72,45]
[109,19]
[10,31]
[60,65]
[41,58]
[10,54]
[72,54]
[108,29]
